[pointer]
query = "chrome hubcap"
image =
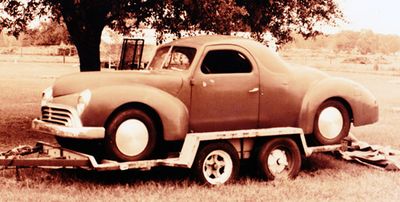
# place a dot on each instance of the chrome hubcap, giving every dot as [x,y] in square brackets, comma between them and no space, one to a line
[132,137]
[278,163]
[217,167]
[330,122]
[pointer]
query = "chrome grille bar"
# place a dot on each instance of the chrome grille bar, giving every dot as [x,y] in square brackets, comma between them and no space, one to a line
[56,115]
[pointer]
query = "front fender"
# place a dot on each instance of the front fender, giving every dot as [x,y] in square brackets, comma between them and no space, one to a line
[362,103]
[105,100]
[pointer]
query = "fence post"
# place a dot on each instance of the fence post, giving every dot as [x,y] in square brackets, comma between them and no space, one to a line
[63,56]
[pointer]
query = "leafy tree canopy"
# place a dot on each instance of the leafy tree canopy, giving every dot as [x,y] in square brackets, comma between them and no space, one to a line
[85,19]
[48,33]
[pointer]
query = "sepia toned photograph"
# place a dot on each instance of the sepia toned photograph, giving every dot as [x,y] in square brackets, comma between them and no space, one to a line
[199,100]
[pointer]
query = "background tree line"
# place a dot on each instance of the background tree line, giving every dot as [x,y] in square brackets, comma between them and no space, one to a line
[48,33]
[363,42]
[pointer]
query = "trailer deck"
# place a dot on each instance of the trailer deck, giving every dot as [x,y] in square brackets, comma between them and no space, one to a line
[52,156]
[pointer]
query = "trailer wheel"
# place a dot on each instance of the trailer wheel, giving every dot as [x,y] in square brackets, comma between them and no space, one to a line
[279,158]
[216,163]
[131,135]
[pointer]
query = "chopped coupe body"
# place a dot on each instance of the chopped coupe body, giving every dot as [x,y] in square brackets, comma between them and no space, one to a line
[202,84]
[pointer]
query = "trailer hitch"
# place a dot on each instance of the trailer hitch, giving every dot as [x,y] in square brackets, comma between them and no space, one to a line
[48,156]
[21,151]
[15,152]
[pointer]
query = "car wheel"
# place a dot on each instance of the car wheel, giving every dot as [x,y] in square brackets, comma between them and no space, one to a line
[332,123]
[131,135]
[216,163]
[279,158]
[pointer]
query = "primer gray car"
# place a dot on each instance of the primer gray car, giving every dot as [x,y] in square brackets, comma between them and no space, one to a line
[201,84]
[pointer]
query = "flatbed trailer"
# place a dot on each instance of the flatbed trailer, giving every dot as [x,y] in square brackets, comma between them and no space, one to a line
[213,156]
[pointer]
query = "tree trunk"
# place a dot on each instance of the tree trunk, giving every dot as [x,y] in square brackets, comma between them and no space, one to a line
[85,24]
[87,41]
[88,46]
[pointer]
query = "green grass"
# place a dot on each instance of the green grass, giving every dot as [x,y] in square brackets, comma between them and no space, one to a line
[323,177]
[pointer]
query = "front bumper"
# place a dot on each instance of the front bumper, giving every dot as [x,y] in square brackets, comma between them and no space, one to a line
[68,132]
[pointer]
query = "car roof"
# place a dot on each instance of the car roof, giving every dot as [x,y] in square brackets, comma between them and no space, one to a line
[261,52]
[198,41]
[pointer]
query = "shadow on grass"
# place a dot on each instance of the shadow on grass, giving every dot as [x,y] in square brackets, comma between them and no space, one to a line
[178,177]
[322,161]
[159,175]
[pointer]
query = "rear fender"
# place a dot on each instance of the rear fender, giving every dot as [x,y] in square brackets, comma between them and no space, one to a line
[106,100]
[344,90]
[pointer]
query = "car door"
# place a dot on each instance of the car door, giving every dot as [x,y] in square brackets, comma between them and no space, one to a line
[225,90]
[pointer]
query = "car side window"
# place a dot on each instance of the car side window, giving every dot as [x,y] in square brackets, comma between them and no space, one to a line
[180,58]
[173,58]
[225,62]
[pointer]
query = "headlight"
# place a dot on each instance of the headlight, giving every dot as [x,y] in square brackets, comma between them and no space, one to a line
[83,100]
[47,95]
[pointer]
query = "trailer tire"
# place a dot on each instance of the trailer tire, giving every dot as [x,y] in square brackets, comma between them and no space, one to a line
[279,158]
[216,163]
[130,136]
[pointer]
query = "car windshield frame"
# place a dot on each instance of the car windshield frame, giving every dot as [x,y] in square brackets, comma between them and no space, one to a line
[176,58]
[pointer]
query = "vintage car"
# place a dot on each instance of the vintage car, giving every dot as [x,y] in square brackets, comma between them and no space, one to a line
[201,84]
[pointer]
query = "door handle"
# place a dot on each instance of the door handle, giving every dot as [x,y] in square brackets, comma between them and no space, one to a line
[254,90]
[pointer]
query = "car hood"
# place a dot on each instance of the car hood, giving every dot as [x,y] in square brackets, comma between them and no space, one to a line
[75,83]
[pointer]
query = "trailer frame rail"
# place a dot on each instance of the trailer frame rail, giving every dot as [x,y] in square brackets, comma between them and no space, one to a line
[51,156]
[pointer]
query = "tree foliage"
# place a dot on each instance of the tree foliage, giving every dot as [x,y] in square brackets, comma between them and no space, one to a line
[6,40]
[85,19]
[48,33]
[282,18]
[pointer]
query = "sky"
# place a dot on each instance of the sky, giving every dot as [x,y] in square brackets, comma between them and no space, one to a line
[380,16]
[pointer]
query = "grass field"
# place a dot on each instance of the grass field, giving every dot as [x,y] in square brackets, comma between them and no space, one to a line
[323,177]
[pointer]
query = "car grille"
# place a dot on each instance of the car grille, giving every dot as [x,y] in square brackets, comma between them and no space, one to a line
[56,115]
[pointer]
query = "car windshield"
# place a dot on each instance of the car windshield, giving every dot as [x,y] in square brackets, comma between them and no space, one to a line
[176,58]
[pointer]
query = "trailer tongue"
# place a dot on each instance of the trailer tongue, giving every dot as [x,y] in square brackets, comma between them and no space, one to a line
[44,155]
[214,156]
